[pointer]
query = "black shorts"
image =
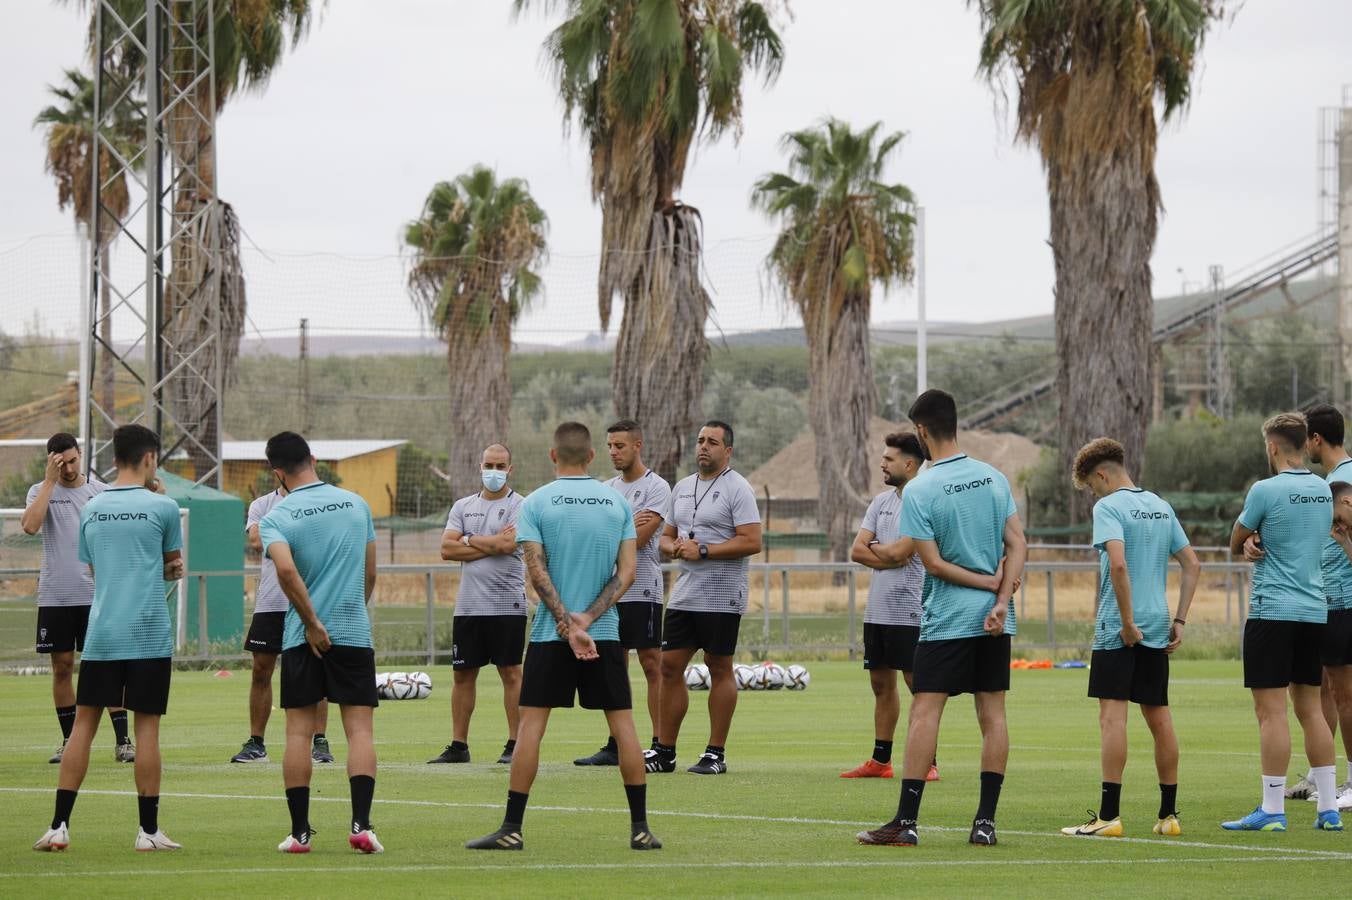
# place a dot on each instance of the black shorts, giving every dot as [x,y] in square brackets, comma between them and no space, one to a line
[345,675]
[477,641]
[890,646]
[553,675]
[1278,653]
[140,685]
[1336,647]
[265,633]
[713,632]
[640,625]
[1139,674]
[61,629]
[974,665]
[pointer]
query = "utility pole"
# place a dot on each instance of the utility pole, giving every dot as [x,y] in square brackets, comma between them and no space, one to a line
[305,423]
[1344,242]
[921,338]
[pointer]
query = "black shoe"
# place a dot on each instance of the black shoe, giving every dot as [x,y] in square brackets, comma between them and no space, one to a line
[643,839]
[656,761]
[893,834]
[320,751]
[708,764]
[451,755]
[506,757]
[606,756]
[505,838]
[983,833]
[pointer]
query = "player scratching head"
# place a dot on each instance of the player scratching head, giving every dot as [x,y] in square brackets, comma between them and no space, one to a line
[713,448]
[935,417]
[63,452]
[136,453]
[572,452]
[1284,438]
[289,457]
[902,458]
[1342,506]
[1100,466]
[1324,435]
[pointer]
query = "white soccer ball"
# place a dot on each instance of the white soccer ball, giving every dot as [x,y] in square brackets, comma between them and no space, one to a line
[797,677]
[383,685]
[774,677]
[422,684]
[745,677]
[399,687]
[697,677]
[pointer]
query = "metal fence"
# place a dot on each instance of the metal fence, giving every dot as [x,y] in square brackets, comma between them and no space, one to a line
[811,610]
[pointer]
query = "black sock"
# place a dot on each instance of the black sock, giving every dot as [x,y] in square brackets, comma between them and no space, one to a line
[1168,800]
[716,751]
[516,810]
[149,809]
[882,752]
[1110,801]
[319,736]
[257,739]
[611,745]
[459,745]
[638,803]
[65,802]
[511,745]
[990,794]
[653,745]
[363,789]
[65,717]
[119,720]
[908,810]
[664,750]
[298,801]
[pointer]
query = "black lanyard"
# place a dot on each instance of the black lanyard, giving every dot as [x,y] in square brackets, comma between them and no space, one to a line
[698,499]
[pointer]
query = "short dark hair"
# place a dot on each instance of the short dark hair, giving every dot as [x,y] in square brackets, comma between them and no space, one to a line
[727,430]
[1325,421]
[502,446]
[1094,454]
[572,443]
[1287,428]
[61,442]
[905,442]
[131,442]
[287,451]
[1340,489]
[628,426]
[938,412]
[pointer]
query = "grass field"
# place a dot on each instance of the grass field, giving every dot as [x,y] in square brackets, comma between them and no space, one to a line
[780,822]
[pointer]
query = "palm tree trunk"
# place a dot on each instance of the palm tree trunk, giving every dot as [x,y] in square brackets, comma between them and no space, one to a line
[658,373]
[481,396]
[840,404]
[1102,233]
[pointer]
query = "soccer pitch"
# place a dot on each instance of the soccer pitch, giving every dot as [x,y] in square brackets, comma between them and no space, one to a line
[780,822]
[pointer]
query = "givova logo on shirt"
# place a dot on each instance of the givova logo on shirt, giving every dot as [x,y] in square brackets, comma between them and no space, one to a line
[120,517]
[961,486]
[317,510]
[565,500]
[1144,514]
[1304,498]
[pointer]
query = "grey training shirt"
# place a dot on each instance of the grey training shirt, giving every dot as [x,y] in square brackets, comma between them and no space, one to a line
[893,594]
[712,510]
[649,493]
[269,597]
[63,580]
[494,585]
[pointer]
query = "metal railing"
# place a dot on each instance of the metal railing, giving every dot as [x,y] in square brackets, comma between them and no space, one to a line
[775,636]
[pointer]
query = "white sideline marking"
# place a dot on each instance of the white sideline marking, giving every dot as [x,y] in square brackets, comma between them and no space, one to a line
[784,820]
[894,863]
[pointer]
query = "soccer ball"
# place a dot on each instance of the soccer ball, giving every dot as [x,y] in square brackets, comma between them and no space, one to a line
[774,677]
[796,677]
[422,684]
[745,676]
[399,687]
[697,677]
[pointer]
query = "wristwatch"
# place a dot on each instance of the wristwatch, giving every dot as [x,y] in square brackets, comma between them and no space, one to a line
[703,551]
[465,539]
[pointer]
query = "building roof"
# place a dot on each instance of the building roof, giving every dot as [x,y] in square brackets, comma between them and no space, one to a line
[325,451]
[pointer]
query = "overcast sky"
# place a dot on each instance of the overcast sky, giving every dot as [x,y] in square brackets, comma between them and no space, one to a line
[386,97]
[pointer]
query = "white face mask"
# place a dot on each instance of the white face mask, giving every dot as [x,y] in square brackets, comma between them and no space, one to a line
[493,479]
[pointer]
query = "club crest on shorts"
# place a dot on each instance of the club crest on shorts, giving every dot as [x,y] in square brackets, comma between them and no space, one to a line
[42,634]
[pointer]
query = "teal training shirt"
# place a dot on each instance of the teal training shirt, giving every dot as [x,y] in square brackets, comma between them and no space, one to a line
[580,523]
[1293,513]
[961,504]
[124,534]
[1336,567]
[327,529]
[1150,533]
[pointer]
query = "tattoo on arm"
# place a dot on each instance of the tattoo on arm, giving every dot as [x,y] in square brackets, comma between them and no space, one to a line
[606,599]
[537,567]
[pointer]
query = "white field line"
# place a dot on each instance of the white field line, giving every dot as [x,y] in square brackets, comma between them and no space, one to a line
[731,817]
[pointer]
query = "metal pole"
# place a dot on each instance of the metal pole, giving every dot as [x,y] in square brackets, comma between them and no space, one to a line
[850,606]
[86,323]
[1051,610]
[765,606]
[921,338]
[202,615]
[784,590]
[153,223]
[431,623]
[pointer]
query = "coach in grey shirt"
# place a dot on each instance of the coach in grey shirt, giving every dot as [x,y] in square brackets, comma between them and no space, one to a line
[712,528]
[490,607]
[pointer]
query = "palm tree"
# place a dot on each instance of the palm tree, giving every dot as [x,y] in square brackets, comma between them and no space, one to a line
[844,229]
[477,248]
[1089,74]
[250,39]
[70,160]
[642,78]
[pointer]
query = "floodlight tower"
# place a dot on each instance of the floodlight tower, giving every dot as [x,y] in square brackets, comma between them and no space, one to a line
[164,314]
